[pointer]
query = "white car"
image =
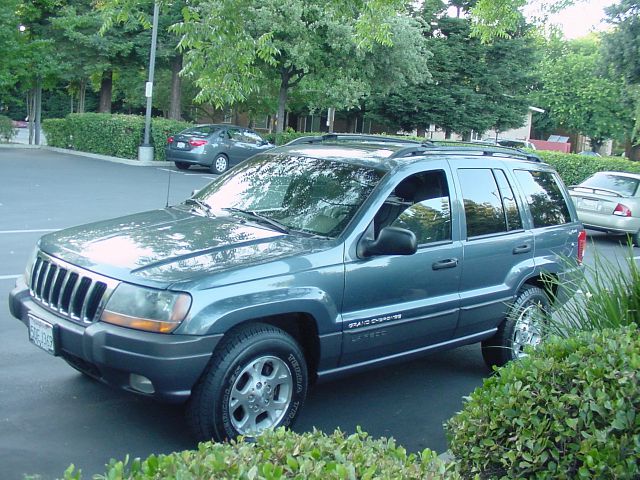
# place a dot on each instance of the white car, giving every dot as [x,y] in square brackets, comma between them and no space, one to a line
[609,202]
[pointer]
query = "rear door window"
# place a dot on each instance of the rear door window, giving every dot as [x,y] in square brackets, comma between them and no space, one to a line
[547,204]
[483,206]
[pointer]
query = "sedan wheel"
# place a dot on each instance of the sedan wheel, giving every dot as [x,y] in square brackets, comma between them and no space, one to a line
[220,164]
[182,165]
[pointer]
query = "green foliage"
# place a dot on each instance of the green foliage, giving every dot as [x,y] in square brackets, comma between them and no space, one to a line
[582,95]
[610,297]
[284,454]
[6,129]
[575,168]
[568,410]
[106,134]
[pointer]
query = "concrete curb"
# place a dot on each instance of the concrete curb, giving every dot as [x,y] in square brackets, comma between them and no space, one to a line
[108,158]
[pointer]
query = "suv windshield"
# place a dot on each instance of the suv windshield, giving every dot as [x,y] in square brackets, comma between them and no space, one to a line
[303,194]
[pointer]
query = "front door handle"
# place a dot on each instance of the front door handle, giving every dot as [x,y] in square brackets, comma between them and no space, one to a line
[524,248]
[442,264]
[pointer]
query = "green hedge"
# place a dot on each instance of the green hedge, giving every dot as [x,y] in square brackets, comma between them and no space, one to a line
[6,129]
[284,454]
[106,134]
[569,410]
[575,168]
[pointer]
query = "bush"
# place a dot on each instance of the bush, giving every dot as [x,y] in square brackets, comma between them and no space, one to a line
[575,168]
[106,134]
[283,454]
[571,409]
[7,131]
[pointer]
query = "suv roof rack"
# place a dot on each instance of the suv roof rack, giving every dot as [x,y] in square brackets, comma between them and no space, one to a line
[430,147]
[415,147]
[349,136]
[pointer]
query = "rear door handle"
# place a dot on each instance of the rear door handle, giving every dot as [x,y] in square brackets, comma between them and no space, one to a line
[442,264]
[524,248]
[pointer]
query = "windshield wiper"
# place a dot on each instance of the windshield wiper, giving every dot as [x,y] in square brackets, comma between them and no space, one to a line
[199,203]
[260,218]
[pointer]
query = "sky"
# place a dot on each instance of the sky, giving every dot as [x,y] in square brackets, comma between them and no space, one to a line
[578,20]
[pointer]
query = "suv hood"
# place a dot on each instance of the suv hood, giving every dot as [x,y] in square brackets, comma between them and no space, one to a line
[170,245]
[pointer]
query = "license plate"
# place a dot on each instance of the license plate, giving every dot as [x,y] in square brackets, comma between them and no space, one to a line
[41,334]
[589,204]
[181,145]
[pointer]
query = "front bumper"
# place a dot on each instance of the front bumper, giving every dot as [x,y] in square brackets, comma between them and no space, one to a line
[111,354]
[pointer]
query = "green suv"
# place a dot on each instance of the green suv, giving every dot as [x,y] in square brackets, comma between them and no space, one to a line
[320,258]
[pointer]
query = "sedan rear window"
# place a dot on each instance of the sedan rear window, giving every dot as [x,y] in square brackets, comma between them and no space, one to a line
[202,130]
[616,183]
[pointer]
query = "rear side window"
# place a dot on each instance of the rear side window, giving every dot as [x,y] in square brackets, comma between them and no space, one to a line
[483,206]
[546,202]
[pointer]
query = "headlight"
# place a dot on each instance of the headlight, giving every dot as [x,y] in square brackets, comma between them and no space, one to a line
[146,309]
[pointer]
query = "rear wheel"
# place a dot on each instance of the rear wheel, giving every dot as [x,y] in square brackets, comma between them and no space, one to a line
[220,164]
[256,380]
[523,327]
[182,165]
[635,238]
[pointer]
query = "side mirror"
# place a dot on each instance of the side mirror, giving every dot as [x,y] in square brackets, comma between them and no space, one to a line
[391,241]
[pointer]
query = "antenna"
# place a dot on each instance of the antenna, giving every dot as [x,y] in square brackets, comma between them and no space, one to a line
[168,188]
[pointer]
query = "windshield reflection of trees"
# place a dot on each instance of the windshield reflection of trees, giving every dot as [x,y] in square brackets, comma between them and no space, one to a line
[306,194]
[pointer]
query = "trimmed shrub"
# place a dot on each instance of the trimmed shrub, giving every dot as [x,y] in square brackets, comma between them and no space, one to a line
[284,454]
[7,131]
[107,134]
[57,132]
[571,409]
[575,168]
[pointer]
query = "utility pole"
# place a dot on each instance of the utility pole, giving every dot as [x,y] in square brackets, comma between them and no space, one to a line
[145,151]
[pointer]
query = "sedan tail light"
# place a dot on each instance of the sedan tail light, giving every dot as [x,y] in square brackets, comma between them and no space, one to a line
[170,140]
[622,210]
[197,143]
[582,245]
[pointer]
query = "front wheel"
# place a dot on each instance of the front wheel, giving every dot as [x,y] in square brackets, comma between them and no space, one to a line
[256,380]
[220,164]
[523,327]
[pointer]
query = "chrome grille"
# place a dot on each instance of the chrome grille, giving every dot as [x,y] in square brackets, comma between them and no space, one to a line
[69,291]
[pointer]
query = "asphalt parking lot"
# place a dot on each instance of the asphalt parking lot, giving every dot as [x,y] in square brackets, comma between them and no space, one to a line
[51,416]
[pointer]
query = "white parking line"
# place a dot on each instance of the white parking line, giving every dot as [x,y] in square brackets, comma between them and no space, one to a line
[37,230]
[8,277]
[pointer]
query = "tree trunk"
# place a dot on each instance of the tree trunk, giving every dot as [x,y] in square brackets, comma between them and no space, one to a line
[175,103]
[632,152]
[81,95]
[106,88]
[282,102]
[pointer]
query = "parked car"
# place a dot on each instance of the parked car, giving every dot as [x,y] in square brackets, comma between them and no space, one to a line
[215,146]
[312,260]
[504,142]
[610,202]
[590,153]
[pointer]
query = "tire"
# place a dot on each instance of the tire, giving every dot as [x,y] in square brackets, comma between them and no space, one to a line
[182,165]
[635,238]
[238,393]
[524,326]
[220,164]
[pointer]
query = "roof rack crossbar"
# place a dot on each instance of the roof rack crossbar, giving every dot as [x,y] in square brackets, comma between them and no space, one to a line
[432,148]
[349,136]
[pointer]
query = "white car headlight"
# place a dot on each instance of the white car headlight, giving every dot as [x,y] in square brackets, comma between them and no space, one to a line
[146,309]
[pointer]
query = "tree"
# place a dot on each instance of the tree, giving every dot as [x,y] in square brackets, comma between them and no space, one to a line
[622,52]
[474,86]
[579,95]
[234,47]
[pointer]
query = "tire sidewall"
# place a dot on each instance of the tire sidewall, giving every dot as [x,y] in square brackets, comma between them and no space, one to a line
[287,351]
[528,297]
